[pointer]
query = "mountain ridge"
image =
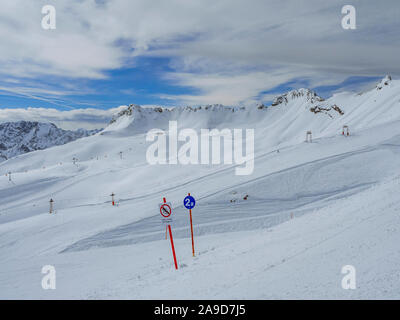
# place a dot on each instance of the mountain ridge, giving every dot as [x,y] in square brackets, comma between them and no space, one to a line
[26,136]
[317,103]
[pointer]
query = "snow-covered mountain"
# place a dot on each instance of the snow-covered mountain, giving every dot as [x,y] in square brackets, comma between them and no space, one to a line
[285,231]
[25,136]
[285,121]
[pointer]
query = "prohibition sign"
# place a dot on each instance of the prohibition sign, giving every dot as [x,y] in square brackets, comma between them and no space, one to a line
[165,210]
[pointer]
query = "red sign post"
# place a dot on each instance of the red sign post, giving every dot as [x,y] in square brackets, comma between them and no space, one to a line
[191,228]
[189,203]
[166,211]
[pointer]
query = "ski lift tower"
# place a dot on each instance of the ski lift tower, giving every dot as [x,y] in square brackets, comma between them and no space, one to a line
[345,131]
[51,206]
[309,136]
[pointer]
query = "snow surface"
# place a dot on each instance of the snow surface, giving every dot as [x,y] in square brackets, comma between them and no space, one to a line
[312,208]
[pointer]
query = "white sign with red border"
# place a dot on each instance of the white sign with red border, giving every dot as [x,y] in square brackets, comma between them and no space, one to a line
[166,211]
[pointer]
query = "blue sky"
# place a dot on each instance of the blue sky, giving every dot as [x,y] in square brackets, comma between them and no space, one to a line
[141,84]
[104,54]
[144,85]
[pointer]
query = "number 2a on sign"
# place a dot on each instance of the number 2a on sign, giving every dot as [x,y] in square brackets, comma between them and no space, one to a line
[189,202]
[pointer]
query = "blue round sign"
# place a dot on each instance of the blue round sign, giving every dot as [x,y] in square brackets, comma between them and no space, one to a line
[189,202]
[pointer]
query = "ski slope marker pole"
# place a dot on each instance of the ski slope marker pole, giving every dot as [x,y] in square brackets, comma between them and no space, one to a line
[112,198]
[172,245]
[191,230]
[189,203]
[166,227]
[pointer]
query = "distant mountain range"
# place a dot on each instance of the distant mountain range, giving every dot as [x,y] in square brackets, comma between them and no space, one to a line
[287,119]
[25,136]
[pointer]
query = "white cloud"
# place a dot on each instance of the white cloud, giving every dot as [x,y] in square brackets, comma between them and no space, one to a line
[229,50]
[243,87]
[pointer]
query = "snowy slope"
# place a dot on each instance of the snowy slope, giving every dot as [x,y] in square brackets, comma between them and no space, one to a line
[311,207]
[24,136]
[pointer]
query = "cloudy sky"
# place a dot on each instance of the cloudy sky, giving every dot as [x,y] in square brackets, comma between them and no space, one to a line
[107,53]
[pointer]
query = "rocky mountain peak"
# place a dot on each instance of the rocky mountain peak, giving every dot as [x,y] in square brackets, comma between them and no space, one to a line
[384,82]
[307,94]
[25,136]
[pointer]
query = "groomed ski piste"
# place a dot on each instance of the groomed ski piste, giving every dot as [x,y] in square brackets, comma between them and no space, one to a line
[283,232]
